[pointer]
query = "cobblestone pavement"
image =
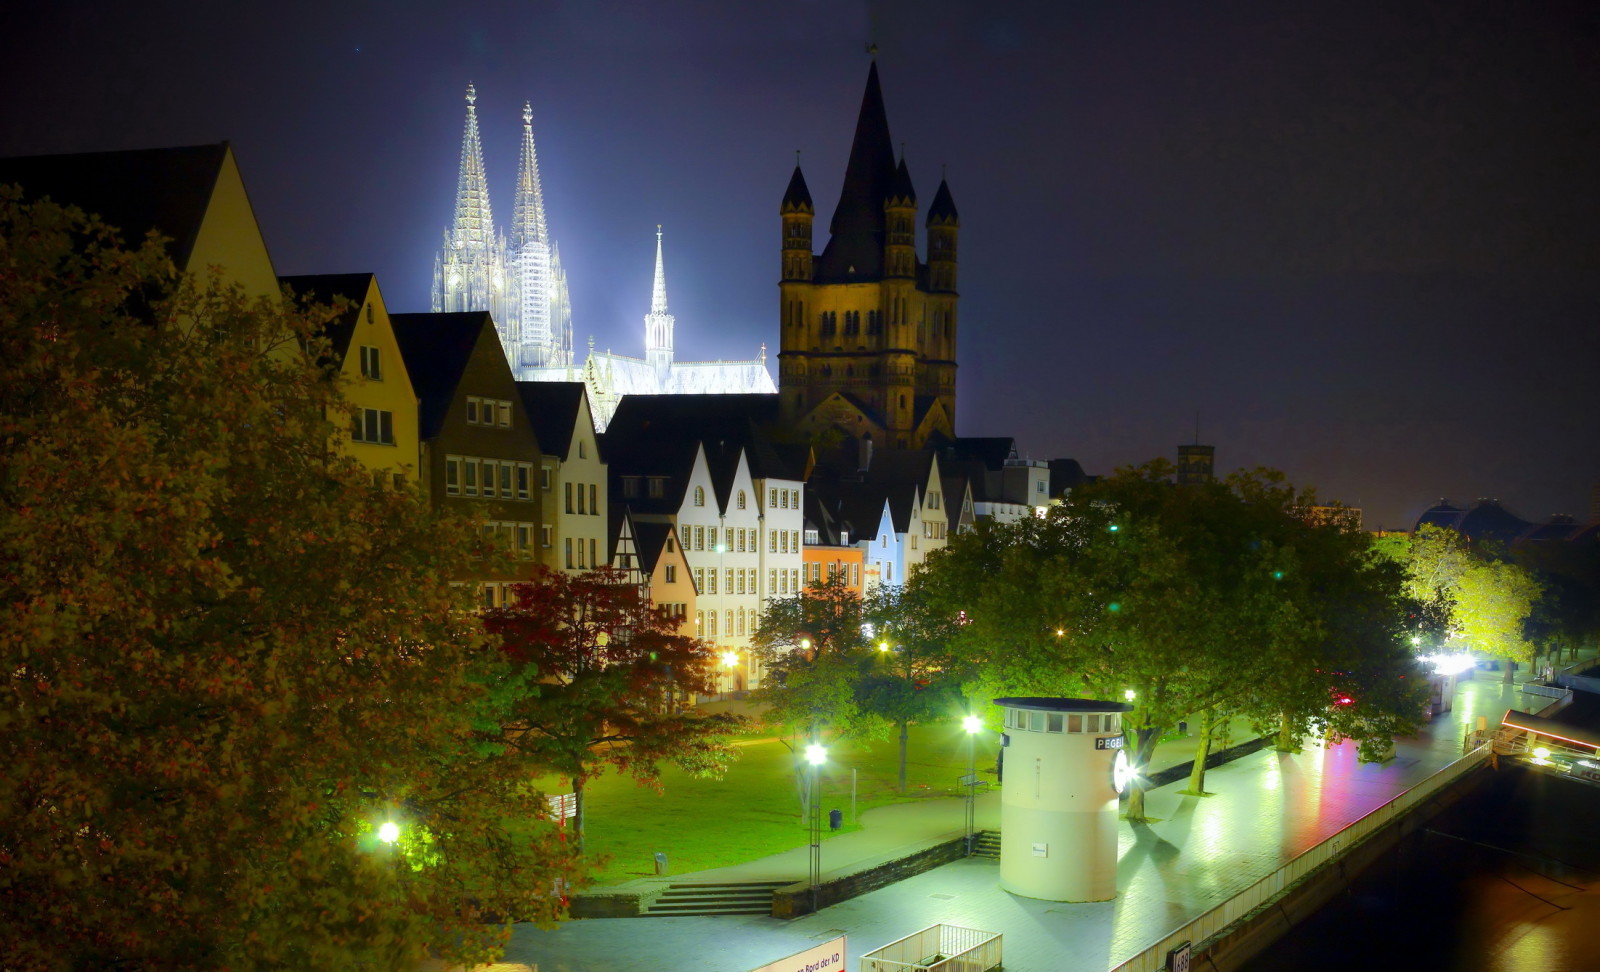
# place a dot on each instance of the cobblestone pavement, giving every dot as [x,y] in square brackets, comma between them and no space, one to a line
[1198,852]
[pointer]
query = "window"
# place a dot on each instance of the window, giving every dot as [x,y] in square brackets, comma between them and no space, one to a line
[796,497]
[699,496]
[772,499]
[688,536]
[488,477]
[844,538]
[1074,723]
[657,487]
[452,475]
[700,579]
[503,414]
[371,368]
[594,560]
[741,499]
[506,470]
[594,507]
[373,425]
[727,543]
[569,496]
[772,541]
[524,539]
[567,543]
[699,538]
[469,483]
[580,498]
[583,449]
[811,536]
[855,575]
[671,546]
[1053,722]
[672,573]
[524,472]
[544,479]
[630,487]
[699,621]
[711,580]
[741,589]
[711,624]
[546,535]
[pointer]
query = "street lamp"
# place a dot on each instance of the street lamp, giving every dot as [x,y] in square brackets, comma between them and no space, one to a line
[730,660]
[972,724]
[816,755]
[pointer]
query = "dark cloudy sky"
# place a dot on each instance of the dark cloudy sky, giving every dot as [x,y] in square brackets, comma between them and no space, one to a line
[1359,239]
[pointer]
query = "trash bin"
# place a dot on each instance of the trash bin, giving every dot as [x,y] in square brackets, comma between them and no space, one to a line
[835,819]
[661,863]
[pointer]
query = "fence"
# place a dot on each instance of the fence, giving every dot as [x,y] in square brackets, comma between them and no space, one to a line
[1214,922]
[937,948]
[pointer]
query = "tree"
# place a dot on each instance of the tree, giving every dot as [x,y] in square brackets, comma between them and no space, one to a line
[912,677]
[609,680]
[812,650]
[1199,599]
[230,655]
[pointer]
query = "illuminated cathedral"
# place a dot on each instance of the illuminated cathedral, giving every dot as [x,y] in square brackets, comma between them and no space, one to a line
[520,281]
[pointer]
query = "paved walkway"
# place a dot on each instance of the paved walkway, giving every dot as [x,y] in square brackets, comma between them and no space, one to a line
[1268,808]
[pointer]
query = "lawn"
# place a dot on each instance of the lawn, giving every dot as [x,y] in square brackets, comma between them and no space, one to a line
[753,810]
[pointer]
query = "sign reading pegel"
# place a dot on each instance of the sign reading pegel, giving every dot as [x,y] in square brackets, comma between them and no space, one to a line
[827,957]
[1060,789]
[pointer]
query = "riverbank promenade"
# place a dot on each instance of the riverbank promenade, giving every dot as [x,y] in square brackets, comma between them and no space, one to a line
[1265,809]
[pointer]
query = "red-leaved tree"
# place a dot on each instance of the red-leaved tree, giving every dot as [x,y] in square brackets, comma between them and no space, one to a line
[609,683]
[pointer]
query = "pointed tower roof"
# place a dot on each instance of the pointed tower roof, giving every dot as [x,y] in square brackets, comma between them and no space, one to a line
[527,217]
[943,210]
[658,293]
[797,198]
[474,222]
[855,251]
[901,190]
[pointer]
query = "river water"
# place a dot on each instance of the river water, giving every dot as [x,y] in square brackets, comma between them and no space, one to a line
[1506,880]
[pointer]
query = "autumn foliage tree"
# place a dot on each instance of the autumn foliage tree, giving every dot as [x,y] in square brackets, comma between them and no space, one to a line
[604,681]
[229,654]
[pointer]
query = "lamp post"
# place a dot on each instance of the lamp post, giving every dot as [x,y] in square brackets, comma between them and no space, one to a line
[972,724]
[816,755]
[730,660]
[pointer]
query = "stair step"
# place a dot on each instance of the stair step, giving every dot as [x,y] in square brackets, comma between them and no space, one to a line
[715,898]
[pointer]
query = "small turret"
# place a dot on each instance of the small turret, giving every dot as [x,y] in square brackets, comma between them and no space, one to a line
[798,215]
[900,212]
[943,224]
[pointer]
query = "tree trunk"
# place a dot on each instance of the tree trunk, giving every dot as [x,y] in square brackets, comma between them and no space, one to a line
[904,723]
[1143,751]
[1288,739]
[1511,668]
[577,819]
[1202,749]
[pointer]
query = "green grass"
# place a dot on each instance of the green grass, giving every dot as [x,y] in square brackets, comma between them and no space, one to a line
[754,809]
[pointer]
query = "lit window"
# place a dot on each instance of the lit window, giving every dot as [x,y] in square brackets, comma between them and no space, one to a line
[699,496]
[741,499]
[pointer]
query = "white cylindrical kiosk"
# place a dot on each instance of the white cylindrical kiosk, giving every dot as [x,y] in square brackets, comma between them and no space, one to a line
[1062,768]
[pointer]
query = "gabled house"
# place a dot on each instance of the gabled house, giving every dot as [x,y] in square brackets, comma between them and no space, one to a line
[572,475]
[479,452]
[193,196]
[383,429]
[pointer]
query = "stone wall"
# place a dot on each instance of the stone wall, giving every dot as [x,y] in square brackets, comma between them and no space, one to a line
[795,899]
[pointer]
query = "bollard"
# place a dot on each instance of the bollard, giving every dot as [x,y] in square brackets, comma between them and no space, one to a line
[661,863]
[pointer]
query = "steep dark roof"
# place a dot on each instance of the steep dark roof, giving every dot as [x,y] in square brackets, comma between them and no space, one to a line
[650,540]
[645,456]
[797,198]
[166,190]
[715,420]
[901,191]
[943,209]
[322,288]
[436,348]
[855,249]
[552,408]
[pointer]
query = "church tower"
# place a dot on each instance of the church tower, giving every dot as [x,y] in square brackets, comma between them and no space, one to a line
[658,323]
[868,329]
[470,272]
[530,259]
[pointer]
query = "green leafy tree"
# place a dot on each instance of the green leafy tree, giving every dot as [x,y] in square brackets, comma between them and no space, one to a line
[611,681]
[230,656]
[813,652]
[913,677]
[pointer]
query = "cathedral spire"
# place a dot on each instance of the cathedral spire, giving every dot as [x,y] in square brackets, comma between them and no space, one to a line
[658,324]
[527,218]
[474,222]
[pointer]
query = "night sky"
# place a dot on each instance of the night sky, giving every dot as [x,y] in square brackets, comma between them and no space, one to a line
[1358,239]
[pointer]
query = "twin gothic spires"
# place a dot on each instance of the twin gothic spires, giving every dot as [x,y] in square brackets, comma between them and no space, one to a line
[520,284]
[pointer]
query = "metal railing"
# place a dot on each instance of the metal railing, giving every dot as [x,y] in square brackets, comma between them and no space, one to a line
[1212,923]
[937,948]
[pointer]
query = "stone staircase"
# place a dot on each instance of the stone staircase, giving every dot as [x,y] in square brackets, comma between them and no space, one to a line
[742,898]
[987,844]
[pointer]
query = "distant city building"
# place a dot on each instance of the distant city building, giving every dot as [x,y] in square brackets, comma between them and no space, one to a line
[868,329]
[519,283]
[1486,519]
[1196,464]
